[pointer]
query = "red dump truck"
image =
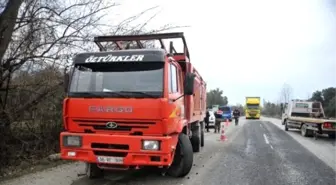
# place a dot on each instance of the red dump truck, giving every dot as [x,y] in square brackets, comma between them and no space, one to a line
[133,108]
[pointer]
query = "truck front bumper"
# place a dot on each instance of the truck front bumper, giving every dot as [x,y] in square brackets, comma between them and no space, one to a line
[128,148]
[252,116]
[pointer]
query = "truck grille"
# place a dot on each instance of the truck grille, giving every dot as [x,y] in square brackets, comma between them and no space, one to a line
[252,113]
[122,125]
[122,149]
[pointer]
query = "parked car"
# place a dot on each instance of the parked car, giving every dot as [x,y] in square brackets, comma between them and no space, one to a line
[223,113]
[212,119]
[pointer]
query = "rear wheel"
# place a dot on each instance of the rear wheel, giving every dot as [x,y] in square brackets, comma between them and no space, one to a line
[196,143]
[304,130]
[196,137]
[286,126]
[93,171]
[183,158]
[202,134]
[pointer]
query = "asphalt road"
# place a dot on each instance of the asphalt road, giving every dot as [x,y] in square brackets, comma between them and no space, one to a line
[256,153]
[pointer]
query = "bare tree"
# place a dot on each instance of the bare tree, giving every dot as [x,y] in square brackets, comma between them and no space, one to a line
[286,93]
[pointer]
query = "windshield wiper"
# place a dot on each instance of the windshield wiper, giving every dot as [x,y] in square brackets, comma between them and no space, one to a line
[88,94]
[117,93]
[99,94]
[139,92]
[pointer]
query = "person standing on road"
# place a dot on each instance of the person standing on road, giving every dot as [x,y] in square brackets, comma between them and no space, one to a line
[236,113]
[217,122]
[206,120]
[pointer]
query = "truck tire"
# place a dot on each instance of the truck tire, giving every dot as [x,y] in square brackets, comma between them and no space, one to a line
[202,136]
[196,143]
[304,130]
[93,171]
[183,158]
[196,137]
[286,126]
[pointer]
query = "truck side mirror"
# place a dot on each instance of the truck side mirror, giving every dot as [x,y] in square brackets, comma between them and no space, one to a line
[66,82]
[189,84]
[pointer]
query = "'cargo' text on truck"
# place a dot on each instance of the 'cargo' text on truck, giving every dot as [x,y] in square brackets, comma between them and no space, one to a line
[132,108]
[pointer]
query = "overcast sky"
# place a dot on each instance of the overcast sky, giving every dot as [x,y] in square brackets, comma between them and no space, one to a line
[251,48]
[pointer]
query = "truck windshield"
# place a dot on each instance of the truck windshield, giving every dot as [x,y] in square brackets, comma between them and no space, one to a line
[252,106]
[117,80]
[301,105]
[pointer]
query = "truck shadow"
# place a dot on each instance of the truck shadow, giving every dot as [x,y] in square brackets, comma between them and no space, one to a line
[142,176]
[320,138]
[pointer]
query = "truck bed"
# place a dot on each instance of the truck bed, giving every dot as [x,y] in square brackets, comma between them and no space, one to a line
[311,120]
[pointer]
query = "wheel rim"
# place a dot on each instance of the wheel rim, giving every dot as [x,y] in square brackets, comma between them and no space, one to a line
[303,130]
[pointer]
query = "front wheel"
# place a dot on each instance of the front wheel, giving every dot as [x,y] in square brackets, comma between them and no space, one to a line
[93,171]
[183,158]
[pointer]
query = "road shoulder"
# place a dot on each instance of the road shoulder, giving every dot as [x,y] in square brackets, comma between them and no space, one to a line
[323,148]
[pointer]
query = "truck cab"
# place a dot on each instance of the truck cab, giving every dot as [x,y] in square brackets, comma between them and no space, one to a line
[132,108]
[252,108]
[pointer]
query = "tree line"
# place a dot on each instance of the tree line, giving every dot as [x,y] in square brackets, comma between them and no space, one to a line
[217,97]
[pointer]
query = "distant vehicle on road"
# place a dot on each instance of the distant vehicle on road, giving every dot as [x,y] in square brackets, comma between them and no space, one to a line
[212,119]
[252,108]
[309,117]
[223,113]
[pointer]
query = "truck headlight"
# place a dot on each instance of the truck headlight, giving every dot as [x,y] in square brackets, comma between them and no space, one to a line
[72,141]
[150,145]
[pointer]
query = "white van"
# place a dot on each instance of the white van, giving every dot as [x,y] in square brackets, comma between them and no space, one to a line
[212,119]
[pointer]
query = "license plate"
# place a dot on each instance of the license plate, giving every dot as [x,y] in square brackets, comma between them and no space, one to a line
[110,160]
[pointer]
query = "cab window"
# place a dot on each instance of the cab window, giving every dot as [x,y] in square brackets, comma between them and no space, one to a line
[173,79]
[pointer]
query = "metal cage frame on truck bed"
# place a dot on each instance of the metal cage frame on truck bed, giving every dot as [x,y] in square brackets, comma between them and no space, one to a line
[118,39]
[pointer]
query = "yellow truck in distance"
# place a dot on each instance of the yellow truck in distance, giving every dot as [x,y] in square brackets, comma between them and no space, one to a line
[252,108]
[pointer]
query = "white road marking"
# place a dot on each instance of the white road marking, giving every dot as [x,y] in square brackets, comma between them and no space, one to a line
[266,140]
[260,125]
